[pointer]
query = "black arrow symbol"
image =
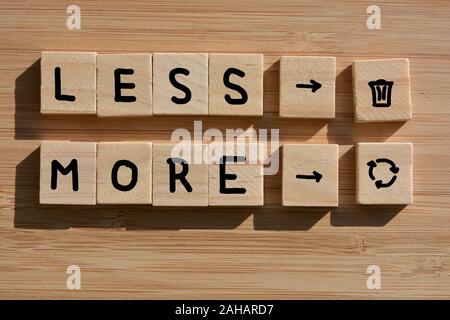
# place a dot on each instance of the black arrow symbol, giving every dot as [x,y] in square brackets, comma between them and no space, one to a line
[314,86]
[393,168]
[315,175]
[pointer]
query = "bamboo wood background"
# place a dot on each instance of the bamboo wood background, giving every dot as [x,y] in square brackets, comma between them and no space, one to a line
[270,252]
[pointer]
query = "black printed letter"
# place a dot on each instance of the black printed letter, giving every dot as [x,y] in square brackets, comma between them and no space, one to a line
[229,176]
[228,84]
[120,85]
[58,94]
[173,176]
[56,166]
[134,175]
[180,86]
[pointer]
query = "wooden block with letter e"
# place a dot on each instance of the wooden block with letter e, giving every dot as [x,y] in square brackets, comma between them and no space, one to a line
[236,84]
[307,87]
[381,90]
[124,172]
[67,172]
[180,176]
[124,85]
[68,82]
[236,175]
[180,83]
[310,175]
[384,173]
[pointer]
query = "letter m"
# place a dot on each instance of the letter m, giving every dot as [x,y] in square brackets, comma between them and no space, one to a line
[72,167]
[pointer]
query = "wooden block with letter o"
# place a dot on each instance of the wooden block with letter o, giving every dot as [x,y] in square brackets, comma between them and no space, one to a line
[180,83]
[381,90]
[124,172]
[307,87]
[68,82]
[67,172]
[124,85]
[310,175]
[236,84]
[180,177]
[384,173]
[236,175]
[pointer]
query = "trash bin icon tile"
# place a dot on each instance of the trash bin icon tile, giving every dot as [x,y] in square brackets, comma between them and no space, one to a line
[381,93]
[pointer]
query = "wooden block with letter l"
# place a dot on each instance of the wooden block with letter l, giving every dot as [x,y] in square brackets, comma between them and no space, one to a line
[236,84]
[180,83]
[384,173]
[381,90]
[180,176]
[307,87]
[124,85]
[310,175]
[67,172]
[124,172]
[68,82]
[235,174]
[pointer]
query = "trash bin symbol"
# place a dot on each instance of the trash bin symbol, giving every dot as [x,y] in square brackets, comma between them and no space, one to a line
[381,93]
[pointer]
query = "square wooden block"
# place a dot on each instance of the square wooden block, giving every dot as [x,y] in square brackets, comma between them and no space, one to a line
[68,82]
[124,85]
[381,90]
[67,172]
[310,175]
[124,172]
[384,173]
[236,84]
[239,179]
[307,87]
[179,178]
[180,83]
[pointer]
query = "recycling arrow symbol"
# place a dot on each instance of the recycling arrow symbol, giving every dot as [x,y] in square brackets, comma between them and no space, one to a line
[379,183]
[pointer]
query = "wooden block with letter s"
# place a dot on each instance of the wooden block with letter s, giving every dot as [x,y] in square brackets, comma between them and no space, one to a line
[236,84]
[180,83]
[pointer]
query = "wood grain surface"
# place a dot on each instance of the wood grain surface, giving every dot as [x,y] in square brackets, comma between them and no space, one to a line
[270,252]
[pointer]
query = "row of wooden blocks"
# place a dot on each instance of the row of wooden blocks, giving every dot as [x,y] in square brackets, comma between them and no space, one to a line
[216,84]
[169,175]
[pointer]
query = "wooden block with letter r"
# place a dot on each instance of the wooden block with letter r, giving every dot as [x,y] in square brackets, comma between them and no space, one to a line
[124,85]
[236,84]
[124,172]
[180,176]
[68,82]
[67,172]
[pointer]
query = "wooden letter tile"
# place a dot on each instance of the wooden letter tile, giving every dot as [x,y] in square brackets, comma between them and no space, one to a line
[381,90]
[124,172]
[384,173]
[124,85]
[307,87]
[176,183]
[310,175]
[236,84]
[237,181]
[180,83]
[67,172]
[68,82]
